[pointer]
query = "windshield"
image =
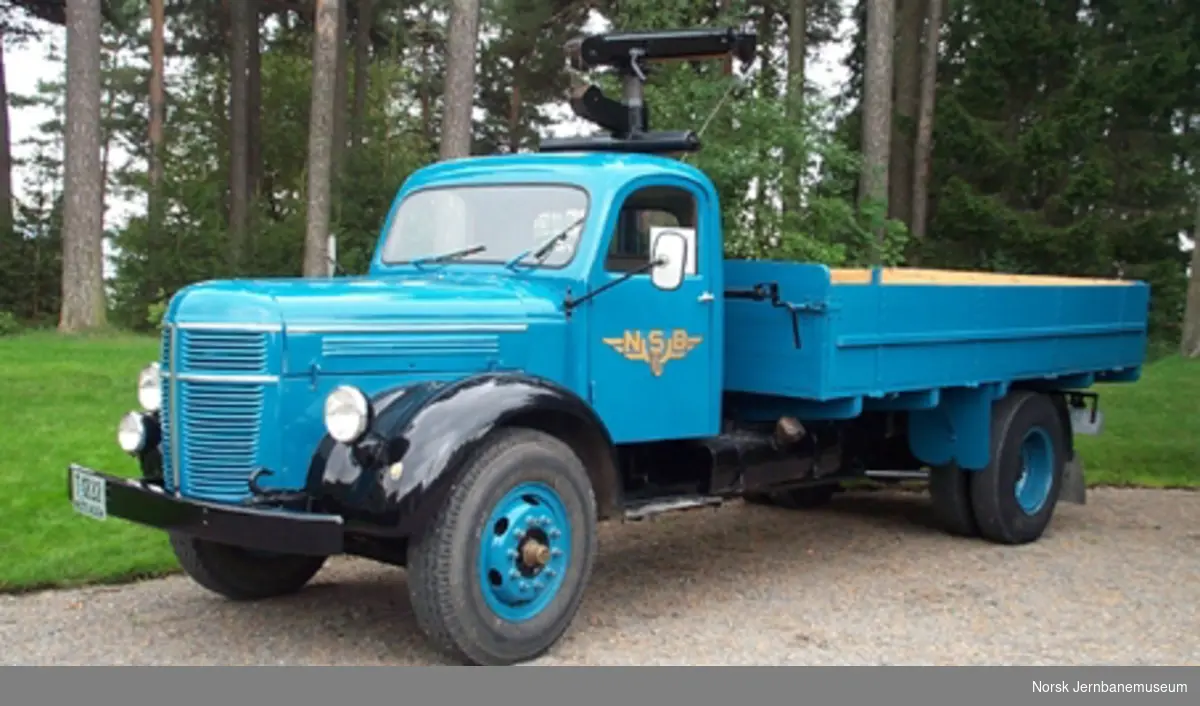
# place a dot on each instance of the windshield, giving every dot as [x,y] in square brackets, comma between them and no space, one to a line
[505,220]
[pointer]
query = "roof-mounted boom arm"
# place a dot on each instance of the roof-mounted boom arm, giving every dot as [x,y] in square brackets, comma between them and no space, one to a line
[629,53]
[626,51]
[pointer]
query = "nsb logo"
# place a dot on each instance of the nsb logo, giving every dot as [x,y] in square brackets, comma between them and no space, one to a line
[656,348]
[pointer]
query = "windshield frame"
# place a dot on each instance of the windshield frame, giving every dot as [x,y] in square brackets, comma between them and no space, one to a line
[527,263]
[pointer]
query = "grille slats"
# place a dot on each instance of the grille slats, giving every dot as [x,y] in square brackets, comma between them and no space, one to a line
[220,434]
[235,352]
[165,413]
[219,423]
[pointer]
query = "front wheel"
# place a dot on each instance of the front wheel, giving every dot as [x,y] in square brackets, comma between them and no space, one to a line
[498,575]
[242,574]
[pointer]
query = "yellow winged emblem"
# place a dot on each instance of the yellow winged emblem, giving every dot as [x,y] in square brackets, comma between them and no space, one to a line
[656,348]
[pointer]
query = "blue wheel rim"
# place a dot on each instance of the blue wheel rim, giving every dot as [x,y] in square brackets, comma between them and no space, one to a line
[1037,471]
[524,551]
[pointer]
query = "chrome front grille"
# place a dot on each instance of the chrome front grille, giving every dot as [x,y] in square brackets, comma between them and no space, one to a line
[219,437]
[205,350]
[214,396]
[164,414]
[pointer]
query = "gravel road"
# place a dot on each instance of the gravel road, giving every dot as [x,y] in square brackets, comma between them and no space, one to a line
[866,581]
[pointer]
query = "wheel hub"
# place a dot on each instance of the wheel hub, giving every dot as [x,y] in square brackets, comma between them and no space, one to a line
[524,552]
[534,554]
[1033,485]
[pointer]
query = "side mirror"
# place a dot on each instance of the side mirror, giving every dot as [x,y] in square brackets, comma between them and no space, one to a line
[670,253]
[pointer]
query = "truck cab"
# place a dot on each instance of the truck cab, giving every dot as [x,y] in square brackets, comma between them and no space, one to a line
[546,341]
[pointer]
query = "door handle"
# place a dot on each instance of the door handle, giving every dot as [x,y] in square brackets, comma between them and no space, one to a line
[705,298]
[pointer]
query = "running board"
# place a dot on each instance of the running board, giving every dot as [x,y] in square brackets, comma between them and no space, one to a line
[640,510]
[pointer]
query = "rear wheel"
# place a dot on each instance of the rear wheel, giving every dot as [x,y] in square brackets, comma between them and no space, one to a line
[950,491]
[498,575]
[243,574]
[1015,496]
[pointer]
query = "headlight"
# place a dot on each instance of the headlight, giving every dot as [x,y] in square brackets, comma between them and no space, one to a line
[149,388]
[347,414]
[131,433]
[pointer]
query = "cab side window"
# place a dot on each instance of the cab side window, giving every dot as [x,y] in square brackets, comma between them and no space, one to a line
[651,207]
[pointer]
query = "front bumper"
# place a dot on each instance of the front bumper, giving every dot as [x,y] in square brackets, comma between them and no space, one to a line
[100,496]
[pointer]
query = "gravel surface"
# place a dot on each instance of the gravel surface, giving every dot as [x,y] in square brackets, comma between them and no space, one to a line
[866,581]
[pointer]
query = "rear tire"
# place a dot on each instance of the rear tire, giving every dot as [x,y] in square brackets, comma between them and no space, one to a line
[1015,496]
[950,491]
[240,574]
[474,593]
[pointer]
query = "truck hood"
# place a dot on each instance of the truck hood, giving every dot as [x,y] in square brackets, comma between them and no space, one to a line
[361,303]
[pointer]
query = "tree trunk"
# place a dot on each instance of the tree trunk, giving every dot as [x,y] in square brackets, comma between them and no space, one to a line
[157,111]
[362,63]
[923,151]
[254,103]
[154,199]
[459,91]
[877,103]
[83,183]
[6,184]
[340,112]
[241,21]
[797,51]
[907,81]
[1190,346]
[320,137]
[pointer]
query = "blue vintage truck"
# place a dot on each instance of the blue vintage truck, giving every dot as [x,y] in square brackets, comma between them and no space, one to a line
[546,341]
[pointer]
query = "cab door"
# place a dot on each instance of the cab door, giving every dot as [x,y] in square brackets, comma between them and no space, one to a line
[653,359]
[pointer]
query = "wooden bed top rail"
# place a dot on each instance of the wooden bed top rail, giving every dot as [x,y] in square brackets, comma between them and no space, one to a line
[901,275]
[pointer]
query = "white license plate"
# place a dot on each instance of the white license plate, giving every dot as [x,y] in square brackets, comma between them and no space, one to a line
[89,494]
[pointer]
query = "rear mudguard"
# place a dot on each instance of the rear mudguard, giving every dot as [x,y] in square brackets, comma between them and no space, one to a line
[394,480]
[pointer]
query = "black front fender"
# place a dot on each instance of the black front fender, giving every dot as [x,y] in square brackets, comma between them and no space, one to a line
[393,481]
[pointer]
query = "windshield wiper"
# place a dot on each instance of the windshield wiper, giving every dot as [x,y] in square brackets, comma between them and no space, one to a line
[418,261]
[541,251]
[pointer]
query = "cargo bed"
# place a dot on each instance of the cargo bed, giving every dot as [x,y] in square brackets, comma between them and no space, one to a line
[896,337]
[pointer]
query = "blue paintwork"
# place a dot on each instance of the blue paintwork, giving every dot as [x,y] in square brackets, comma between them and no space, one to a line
[943,352]
[402,324]
[271,350]
[1037,471]
[512,594]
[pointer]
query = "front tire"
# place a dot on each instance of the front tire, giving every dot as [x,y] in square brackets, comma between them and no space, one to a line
[499,574]
[241,574]
[1015,496]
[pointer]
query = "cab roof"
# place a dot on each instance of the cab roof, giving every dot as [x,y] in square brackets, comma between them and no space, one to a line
[594,171]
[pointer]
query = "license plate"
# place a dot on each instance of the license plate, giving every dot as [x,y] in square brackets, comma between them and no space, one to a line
[88,495]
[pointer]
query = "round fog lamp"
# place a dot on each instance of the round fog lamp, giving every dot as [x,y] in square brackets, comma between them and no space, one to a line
[131,433]
[149,388]
[347,414]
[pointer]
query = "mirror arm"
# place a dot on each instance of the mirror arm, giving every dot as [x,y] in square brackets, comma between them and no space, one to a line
[571,303]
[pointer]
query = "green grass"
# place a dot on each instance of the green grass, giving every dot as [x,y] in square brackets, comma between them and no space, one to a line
[1151,433]
[62,398]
